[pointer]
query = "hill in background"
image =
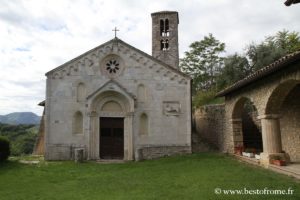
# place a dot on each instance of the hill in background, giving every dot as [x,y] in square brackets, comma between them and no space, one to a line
[20,118]
[22,137]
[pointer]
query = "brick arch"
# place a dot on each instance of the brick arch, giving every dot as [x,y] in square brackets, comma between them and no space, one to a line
[278,95]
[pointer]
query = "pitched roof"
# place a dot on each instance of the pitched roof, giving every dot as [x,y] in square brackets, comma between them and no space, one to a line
[261,73]
[129,46]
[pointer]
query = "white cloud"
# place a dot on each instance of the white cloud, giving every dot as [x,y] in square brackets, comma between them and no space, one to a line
[38,35]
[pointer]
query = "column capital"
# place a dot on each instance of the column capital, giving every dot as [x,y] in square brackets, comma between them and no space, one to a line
[269,116]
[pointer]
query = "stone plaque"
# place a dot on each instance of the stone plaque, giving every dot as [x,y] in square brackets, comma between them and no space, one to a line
[171,108]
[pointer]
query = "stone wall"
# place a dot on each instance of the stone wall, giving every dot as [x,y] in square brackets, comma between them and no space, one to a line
[171,55]
[209,124]
[142,87]
[290,124]
[63,151]
[151,152]
[267,95]
[277,115]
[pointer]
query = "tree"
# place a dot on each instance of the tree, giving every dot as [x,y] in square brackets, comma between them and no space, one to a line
[236,67]
[22,137]
[203,62]
[272,48]
[211,72]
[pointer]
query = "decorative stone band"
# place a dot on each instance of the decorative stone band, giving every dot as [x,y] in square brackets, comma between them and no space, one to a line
[110,114]
[269,116]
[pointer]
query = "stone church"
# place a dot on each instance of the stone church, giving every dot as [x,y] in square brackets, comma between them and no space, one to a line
[117,102]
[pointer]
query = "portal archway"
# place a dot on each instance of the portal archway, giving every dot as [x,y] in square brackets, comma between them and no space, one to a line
[284,103]
[111,125]
[246,127]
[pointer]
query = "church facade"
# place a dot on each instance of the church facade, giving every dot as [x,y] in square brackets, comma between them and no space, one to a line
[117,102]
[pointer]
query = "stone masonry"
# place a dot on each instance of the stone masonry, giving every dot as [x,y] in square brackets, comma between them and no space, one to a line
[274,91]
[115,80]
[209,123]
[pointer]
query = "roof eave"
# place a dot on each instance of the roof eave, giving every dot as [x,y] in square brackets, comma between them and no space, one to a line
[265,71]
[128,45]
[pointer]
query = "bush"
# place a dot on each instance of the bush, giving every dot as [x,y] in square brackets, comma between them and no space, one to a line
[4,148]
[205,98]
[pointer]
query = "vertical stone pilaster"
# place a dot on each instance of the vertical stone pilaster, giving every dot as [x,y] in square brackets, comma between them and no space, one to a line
[128,137]
[93,136]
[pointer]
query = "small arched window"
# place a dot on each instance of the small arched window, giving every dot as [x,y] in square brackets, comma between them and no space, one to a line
[77,123]
[80,92]
[162,27]
[144,124]
[167,44]
[167,31]
[164,45]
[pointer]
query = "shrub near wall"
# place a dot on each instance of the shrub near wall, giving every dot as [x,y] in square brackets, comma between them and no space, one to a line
[4,148]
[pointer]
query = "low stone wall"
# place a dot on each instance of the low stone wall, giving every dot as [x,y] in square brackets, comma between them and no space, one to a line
[63,152]
[151,152]
[67,152]
[209,124]
[58,152]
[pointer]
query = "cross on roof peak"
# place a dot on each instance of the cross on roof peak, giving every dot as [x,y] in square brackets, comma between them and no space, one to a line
[115,30]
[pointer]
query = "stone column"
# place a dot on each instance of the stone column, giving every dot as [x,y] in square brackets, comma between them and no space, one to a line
[271,138]
[271,133]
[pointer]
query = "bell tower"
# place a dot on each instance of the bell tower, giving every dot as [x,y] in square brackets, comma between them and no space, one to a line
[165,37]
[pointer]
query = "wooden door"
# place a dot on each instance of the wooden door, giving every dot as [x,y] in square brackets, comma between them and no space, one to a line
[111,138]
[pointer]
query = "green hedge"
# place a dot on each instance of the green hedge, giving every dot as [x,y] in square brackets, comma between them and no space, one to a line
[4,148]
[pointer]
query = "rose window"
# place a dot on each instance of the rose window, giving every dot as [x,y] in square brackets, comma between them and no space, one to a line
[112,66]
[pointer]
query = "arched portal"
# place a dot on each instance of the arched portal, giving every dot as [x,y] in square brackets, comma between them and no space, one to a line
[246,127]
[111,125]
[285,104]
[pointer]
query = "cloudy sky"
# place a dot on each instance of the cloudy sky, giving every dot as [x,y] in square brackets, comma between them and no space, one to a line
[38,35]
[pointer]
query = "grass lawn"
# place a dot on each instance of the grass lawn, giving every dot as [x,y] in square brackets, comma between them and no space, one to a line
[182,177]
